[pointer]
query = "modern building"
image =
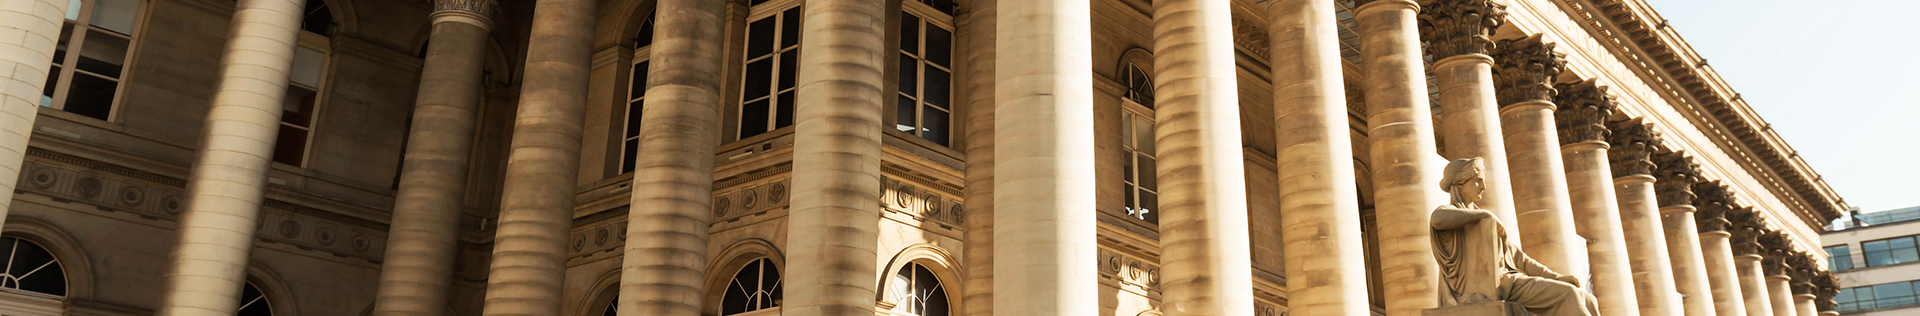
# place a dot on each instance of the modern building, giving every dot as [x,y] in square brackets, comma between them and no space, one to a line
[1872,256]
[873,157]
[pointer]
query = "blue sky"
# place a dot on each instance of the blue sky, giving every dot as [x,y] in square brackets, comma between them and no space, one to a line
[1839,80]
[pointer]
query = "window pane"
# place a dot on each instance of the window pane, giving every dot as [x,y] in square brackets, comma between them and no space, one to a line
[115,15]
[1872,246]
[753,118]
[1126,168]
[1905,255]
[760,37]
[790,30]
[910,33]
[1879,258]
[60,45]
[103,54]
[903,117]
[1149,178]
[936,92]
[46,92]
[319,20]
[290,147]
[1150,206]
[307,64]
[1143,134]
[909,75]
[789,68]
[644,37]
[934,122]
[759,79]
[634,110]
[1903,242]
[73,10]
[1893,290]
[783,115]
[637,82]
[297,107]
[630,151]
[1128,191]
[939,42]
[91,96]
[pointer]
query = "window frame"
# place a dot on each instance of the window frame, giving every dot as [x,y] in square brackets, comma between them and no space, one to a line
[927,16]
[913,289]
[1839,261]
[764,264]
[1891,252]
[770,9]
[635,105]
[1131,188]
[61,82]
[1849,300]
[324,45]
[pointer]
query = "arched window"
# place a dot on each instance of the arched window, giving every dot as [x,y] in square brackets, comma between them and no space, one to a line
[772,66]
[32,268]
[915,290]
[253,302]
[636,94]
[1139,85]
[926,70]
[305,84]
[613,306]
[755,287]
[87,83]
[1142,193]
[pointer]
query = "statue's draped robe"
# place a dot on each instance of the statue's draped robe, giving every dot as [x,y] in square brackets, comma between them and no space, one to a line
[1478,264]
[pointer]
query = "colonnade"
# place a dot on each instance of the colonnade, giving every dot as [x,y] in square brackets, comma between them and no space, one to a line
[1586,194]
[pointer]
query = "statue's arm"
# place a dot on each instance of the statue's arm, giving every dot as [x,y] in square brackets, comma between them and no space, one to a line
[1445,218]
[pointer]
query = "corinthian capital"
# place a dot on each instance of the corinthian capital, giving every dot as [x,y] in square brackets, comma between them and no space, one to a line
[1746,227]
[1581,110]
[1775,247]
[1633,142]
[1460,27]
[1674,174]
[1524,70]
[1712,206]
[1824,288]
[482,8]
[1803,272]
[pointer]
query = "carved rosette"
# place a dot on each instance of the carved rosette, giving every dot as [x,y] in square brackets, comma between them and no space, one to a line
[1460,27]
[1745,225]
[1674,174]
[1712,205]
[1581,111]
[483,8]
[1824,288]
[1632,147]
[1524,70]
[1776,248]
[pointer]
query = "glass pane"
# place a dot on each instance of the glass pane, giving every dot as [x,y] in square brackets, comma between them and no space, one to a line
[1879,258]
[290,147]
[937,87]
[634,110]
[934,125]
[1128,194]
[60,45]
[783,115]
[760,37]
[753,118]
[1143,135]
[939,46]
[909,75]
[307,64]
[253,303]
[1872,246]
[103,54]
[1903,242]
[644,37]
[903,117]
[1149,179]
[1150,206]
[910,33]
[637,82]
[90,96]
[1905,255]
[1126,167]
[790,28]
[46,92]
[1885,291]
[115,15]
[73,10]
[297,107]
[1126,131]
[630,150]
[759,79]
[789,68]
[945,6]
[319,20]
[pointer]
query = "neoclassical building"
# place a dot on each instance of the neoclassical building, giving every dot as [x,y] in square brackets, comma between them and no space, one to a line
[873,157]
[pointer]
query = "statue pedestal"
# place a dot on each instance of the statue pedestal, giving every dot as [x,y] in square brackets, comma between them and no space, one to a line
[1494,308]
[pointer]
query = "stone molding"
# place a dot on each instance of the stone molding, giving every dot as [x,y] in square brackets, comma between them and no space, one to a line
[1251,36]
[1524,70]
[921,203]
[587,240]
[1581,112]
[1632,143]
[1129,270]
[482,8]
[757,199]
[1674,174]
[1460,27]
[1712,203]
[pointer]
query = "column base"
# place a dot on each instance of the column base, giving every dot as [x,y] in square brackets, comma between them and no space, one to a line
[1493,308]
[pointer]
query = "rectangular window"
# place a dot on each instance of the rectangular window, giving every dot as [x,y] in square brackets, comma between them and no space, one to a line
[926,75]
[302,99]
[1877,297]
[87,83]
[1890,251]
[1138,167]
[1838,258]
[772,66]
[636,103]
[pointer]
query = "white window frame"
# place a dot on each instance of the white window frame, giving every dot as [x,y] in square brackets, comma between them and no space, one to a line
[324,45]
[756,13]
[928,16]
[62,81]
[1130,111]
[630,117]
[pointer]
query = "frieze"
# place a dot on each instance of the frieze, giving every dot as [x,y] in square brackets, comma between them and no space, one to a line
[588,240]
[1712,205]
[1251,36]
[483,8]
[1460,27]
[1264,309]
[1524,70]
[1633,142]
[751,200]
[1581,111]
[1674,174]
[919,202]
[1129,270]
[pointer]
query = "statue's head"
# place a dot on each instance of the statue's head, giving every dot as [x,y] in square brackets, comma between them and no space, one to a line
[1464,180]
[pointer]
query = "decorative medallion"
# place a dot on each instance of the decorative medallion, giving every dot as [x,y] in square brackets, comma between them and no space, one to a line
[776,192]
[289,229]
[324,235]
[172,204]
[600,237]
[720,206]
[361,243]
[88,187]
[579,242]
[748,200]
[959,213]
[43,178]
[132,196]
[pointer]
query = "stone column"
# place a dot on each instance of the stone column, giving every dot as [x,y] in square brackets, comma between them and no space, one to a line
[1745,227]
[1674,175]
[1400,128]
[1458,34]
[536,205]
[25,56]
[1778,269]
[1804,273]
[1206,266]
[1633,142]
[1045,257]
[1782,300]
[1524,73]
[1321,226]
[1582,114]
[664,269]
[1716,247]
[1824,288]
[834,224]
[228,183]
[425,230]
[977,31]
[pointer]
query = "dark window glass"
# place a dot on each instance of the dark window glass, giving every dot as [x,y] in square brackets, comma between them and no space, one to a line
[910,33]
[939,46]
[91,76]
[925,80]
[769,78]
[1838,258]
[917,291]
[32,268]
[91,96]
[783,114]
[937,85]
[253,302]
[103,54]
[757,78]
[903,118]
[613,306]
[644,37]
[319,19]
[789,69]
[753,118]
[909,75]
[790,28]
[1139,85]
[1140,182]
[755,287]
[936,125]
[760,37]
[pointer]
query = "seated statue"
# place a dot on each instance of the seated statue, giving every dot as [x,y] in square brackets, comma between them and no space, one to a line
[1478,263]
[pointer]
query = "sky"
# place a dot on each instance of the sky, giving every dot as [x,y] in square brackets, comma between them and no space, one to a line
[1839,80]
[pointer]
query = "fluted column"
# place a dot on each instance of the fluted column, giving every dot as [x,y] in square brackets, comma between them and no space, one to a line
[1206,266]
[1044,253]
[1674,175]
[25,56]
[536,204]
[1716,247]
[1633,142]
[1746,228]
[1321,228]
[664,269]
[835,218]
[228,183]
[977,31]
[1458,34]
[1400,128]
[424,236]
[1581,115]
